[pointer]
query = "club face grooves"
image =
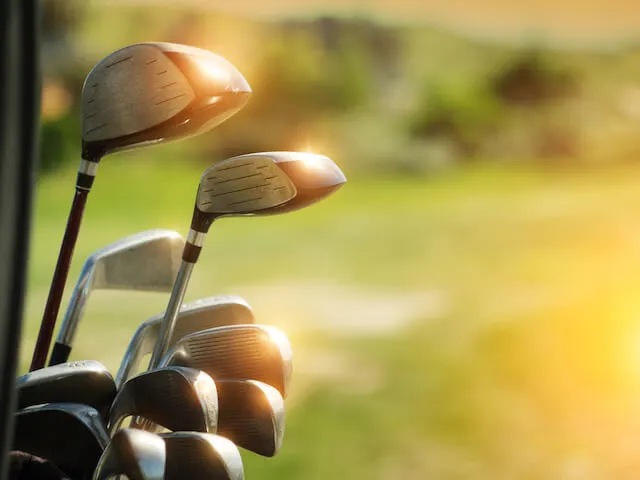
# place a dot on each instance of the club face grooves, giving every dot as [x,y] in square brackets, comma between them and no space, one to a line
[243,186]
[254,352]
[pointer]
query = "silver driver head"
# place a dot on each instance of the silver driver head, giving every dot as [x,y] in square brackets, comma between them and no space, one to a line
[243,352]
[71,435]
[263,183]
[137,454]
[153,92]
[193,317]
[87,382]
[251,414]
[175,398]
[196,455]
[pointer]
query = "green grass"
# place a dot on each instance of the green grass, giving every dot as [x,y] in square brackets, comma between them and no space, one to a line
[529,373]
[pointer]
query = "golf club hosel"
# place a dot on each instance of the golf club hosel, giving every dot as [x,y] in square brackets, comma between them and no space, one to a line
[86,174]
[195,242]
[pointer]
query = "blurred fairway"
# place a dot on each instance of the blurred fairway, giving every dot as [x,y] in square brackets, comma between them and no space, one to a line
[529,367]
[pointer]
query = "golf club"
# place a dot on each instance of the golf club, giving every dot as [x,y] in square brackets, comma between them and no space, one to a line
[242,352]
[70,435]
[175,398]
[137,454]
[141,94]
[87,382]
[251,415]
[247,185]
[146,261]
[201,456]
[194,316]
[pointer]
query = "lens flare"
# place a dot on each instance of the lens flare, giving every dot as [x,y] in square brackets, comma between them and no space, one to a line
[213,71]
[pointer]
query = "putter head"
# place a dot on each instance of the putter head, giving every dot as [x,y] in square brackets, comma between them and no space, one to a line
[70,435]
[263,184]
[243,352]
[195,316]
[201,455]
[137,454]
[86,382]
[175,398]
[251,415]
[154,92]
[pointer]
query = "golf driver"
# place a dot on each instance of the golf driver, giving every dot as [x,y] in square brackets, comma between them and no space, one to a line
[146,261]
[243,352]
[70,435]
[175,398]
[141,94]
[200,456]
[247,185]
[137,454]
[87,382]
[195,316]
[251,415]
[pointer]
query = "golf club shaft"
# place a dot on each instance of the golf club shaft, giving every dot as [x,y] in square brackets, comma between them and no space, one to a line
[56,290]
[171,314]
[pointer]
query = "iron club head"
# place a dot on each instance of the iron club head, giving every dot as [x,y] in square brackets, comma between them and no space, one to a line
[176,398]
[137,454]
[251,415]
[200,455]
[72,436]
[146,261]
[193,317]
[243,352]
[86,382]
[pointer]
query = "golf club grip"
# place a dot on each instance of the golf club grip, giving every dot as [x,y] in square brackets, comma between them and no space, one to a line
[59,354]
[52,308]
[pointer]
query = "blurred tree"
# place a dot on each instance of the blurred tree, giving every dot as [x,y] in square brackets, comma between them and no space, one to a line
[530,80]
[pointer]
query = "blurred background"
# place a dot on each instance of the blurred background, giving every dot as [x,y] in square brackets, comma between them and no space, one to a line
[468,305]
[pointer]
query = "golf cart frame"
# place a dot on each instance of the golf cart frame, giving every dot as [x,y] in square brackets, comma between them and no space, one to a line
[20,85]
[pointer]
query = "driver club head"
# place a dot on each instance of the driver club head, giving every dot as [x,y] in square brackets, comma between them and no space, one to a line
[201,455]
[176,398]
[193,317]
[147,261]
[137,454]
[86,382]
[263,183]
[70,435]
[243,352]
[155,92]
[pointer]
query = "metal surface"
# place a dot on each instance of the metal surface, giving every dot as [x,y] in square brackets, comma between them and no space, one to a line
[176,398]
[72,436]
[193,317]
[242,185]
[136,454]
[151,92]
[192,455]
[242,352]
[252,415]
[171,314]
[146,261]
[86,382]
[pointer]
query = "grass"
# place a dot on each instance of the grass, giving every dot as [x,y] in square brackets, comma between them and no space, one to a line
[532,371]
